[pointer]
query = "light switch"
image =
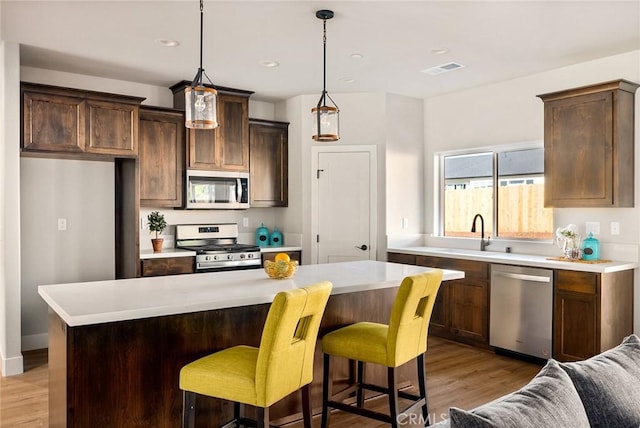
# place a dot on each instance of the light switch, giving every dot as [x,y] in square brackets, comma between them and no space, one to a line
[62,224]
[245,221]
[405,223]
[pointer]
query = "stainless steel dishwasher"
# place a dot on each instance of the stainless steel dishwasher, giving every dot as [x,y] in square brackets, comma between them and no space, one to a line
[521,307]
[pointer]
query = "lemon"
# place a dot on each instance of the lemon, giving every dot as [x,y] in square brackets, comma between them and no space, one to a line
[282,257]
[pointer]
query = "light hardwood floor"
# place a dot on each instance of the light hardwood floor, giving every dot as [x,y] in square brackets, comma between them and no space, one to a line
[457,375]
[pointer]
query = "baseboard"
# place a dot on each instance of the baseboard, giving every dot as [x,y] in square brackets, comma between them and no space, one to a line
[12,366]
[35,341]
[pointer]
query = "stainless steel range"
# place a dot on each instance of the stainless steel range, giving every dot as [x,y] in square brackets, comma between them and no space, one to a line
[217,248]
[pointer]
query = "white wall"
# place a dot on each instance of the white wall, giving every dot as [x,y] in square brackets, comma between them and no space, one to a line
[405,188]
[509,112]
[82,192]
[155,95]
[10,210]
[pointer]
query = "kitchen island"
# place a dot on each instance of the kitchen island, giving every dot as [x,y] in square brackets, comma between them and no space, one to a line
[116,347]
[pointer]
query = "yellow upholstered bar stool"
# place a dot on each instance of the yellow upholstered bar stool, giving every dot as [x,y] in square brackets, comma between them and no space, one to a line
[404,339]
[262,376]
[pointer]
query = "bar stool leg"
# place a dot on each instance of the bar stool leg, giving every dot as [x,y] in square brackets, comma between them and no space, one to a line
[359,382]
[306,406]
[326,390]
[188,409]
[422,383]
[393,396]
[262,417]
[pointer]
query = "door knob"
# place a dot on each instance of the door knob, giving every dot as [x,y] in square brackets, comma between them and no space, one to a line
[362,247]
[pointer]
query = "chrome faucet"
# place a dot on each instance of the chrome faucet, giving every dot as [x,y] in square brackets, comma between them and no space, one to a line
[483,244]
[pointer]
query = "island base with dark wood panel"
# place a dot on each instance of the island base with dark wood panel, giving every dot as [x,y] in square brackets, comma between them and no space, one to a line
[125,374]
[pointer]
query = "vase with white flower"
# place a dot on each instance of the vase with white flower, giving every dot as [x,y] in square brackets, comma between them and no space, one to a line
[569,241]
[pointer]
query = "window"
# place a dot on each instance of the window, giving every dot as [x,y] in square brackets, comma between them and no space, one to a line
[506,187]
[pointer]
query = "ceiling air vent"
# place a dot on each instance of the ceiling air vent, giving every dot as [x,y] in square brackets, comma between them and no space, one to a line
[444,68]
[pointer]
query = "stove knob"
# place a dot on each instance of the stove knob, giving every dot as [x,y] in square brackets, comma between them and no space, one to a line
[207,258]
[250,255]
[214,258]
[242,256]
[229,257]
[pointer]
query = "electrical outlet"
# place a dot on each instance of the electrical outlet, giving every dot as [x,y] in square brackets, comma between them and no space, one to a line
[62,224]
[245,222]
[615,228]
[592,227]
[405,223]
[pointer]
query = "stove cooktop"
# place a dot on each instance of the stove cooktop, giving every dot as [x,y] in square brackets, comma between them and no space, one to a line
[222,248]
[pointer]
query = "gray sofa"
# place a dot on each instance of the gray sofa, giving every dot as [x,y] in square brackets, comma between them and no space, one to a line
[603,391]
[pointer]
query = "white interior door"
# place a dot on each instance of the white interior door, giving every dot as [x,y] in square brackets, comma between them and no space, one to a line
[345,189]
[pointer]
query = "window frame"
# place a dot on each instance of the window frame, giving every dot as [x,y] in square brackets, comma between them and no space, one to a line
[439,197]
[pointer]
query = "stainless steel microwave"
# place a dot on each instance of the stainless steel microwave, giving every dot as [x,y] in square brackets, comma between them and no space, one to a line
[217,190]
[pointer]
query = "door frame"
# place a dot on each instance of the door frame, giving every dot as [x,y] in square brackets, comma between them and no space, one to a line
[372,150]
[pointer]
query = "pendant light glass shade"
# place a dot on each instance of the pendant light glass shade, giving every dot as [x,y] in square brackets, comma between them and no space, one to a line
[201,105]
[326,120]
[326,124]
[200,101]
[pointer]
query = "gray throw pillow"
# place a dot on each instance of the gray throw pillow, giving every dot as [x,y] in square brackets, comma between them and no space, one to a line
[549,400]
[609,385]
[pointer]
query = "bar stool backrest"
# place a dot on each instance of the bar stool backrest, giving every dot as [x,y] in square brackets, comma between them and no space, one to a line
[410,315]
[285,357]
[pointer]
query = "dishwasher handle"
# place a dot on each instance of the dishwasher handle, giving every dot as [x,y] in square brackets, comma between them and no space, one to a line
[523,277]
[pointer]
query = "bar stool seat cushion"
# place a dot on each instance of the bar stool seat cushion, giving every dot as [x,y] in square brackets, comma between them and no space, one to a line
[391,347]
[363,341]
[229,374]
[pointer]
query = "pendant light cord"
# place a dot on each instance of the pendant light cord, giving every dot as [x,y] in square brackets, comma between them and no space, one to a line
[201,29]
[324,61]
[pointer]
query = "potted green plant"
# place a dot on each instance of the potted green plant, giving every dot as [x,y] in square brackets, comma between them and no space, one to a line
[157,224]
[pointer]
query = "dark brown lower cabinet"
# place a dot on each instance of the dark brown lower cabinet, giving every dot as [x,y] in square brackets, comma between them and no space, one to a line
[407,259]
[167,266]
[461,310]
[593,312]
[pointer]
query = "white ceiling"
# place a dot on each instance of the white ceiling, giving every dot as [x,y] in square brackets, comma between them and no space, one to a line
[494,40]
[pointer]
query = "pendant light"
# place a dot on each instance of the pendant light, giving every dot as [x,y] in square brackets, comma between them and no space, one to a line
[201,101]
[326,123]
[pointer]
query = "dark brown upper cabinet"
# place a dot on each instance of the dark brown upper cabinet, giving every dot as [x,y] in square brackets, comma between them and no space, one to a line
[112,128]
[225,148]
[588,143]
[161,155]
[65,121]
[268,163]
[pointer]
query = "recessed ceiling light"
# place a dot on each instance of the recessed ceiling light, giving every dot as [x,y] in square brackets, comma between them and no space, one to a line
[269,63]
[357,56]
[168,43]
[439,51]
[348,80]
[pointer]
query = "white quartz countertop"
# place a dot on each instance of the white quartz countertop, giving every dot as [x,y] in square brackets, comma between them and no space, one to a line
[166,252]
[125,299]
[515,259]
